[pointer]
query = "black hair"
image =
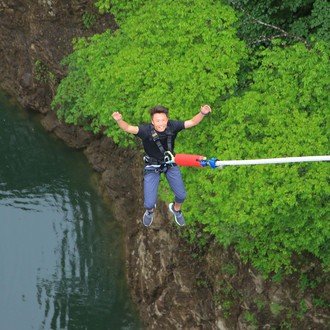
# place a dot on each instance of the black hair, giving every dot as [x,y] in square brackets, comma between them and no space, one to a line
[158,109]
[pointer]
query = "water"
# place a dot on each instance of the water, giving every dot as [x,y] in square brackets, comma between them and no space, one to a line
[61,253]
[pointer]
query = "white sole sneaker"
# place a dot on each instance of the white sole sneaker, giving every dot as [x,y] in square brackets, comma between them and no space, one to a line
[182,223]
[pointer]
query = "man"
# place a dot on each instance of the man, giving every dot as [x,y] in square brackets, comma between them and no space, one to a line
[158,142]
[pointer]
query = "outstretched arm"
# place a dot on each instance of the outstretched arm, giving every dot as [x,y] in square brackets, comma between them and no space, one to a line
[205,109]
[123,125]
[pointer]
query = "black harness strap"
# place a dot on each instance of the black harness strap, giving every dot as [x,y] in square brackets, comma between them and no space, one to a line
[156,139]
[169,134]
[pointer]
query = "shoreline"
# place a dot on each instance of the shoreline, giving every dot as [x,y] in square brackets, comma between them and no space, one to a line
[172,283]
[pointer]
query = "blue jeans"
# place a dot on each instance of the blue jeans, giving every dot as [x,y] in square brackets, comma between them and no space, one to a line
[151,183]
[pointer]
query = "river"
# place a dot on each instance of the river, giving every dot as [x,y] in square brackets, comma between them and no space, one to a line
[61,251]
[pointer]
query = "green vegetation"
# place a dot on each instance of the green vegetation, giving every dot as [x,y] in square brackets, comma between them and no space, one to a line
[320,303]
[270,212]
[120,9]
[226,298]
[276,308]
[229,269]
[42,73]
[260,303]
[291,20]
[88,19]
[268,102]
[251,319]
[177,54]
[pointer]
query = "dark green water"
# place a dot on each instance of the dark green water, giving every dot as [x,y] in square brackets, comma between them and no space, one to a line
[61,253]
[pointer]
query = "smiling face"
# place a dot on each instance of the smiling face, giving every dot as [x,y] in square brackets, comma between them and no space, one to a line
[159,120]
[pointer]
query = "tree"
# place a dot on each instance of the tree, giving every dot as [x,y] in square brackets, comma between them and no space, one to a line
[179,54]
[262,21]
[185,53]
[271,212]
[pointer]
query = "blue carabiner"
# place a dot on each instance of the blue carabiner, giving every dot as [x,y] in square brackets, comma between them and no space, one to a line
[212,162]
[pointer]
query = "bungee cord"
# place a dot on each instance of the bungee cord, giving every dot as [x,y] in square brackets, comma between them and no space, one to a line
[201,161]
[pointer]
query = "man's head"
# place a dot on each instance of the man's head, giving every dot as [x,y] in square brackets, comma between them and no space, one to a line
[159,117]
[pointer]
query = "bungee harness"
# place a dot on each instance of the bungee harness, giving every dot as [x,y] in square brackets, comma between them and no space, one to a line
[156,165]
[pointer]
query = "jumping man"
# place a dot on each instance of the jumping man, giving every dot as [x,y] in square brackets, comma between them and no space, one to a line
[158,140]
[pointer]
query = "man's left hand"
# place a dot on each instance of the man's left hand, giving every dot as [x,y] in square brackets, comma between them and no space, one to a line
[205,109]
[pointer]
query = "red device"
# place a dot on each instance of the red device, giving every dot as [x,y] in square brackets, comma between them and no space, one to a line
[189,160]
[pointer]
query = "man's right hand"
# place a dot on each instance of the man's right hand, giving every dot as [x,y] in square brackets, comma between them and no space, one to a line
[117,116]
[123,125]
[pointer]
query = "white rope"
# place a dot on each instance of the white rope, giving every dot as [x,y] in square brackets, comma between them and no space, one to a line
[221,163]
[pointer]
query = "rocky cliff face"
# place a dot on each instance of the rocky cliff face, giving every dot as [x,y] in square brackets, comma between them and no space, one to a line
[35,35]
[175,285]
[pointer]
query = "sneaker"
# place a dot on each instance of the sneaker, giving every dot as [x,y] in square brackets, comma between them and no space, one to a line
[148,217]
[178,216]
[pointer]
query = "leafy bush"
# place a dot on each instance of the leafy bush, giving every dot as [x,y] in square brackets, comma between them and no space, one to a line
[88,19]
[271,212]
[185,53]
[120,9]
[298,18]
[179,54]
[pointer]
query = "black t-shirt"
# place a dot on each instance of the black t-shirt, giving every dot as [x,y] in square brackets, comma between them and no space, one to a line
[150,146]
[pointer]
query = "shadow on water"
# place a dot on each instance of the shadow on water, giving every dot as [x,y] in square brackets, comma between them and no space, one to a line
[61,258]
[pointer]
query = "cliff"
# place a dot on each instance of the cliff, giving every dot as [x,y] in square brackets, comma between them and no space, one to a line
[174,284]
